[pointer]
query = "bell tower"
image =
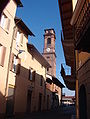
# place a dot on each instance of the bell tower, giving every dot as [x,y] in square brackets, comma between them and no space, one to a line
[49,50]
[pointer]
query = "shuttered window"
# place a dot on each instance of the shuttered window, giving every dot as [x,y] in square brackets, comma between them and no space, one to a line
[21,38]
[5,22]
[2,54]
[31,75]
[11,61]
[18,66]
[15,64]
[41,80]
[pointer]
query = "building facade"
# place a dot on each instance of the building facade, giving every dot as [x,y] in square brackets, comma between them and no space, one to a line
[6,31]
[81,20]
[54,86]
[23,68]
[77,17]
[23,85]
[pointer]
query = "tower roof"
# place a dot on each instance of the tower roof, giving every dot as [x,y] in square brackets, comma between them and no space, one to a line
[49,30]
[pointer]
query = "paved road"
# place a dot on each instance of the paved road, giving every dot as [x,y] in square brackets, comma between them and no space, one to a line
[59,113]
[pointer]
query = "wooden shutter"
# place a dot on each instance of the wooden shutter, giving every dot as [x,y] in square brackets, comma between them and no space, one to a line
[11,61]
[41,80]
[29,74]
[18,66]
[8,24]
[33,75]
[21,38]
[15,32]
[2,55]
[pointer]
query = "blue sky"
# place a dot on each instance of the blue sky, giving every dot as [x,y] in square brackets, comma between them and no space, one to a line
[39,15]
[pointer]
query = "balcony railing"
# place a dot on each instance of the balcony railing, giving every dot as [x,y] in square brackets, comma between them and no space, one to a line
[82,20]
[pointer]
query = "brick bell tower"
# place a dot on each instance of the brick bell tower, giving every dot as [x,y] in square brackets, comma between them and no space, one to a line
[49,50]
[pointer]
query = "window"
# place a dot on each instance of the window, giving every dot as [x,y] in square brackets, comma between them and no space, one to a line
[2,54]
[10,91]
[5,22]
[15,64]
[19,38]
[41,81]
[47,69]
[48,41]
[31,74]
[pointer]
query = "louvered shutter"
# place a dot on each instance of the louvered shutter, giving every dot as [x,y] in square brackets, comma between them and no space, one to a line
[11,61]
[2,55]
[33,75]
[8,24]
[15,32]
[29,76]
[21,38]
[18,66]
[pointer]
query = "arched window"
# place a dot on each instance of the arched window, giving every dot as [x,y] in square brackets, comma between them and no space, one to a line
[48,41]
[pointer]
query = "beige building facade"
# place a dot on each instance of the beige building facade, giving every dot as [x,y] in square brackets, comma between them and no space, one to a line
[23,85]
[6,31]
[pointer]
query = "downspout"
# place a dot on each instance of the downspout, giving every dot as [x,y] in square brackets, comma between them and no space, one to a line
[76,92]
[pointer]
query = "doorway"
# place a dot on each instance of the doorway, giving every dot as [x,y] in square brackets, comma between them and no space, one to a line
[40,102]
[82,103]
[47,102]
[10,102]
[29,97]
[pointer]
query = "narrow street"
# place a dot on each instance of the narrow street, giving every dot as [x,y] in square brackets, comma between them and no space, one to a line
[65,112]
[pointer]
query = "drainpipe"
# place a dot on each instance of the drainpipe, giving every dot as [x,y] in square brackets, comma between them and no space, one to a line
[77,95]
[76,64]
[10,58]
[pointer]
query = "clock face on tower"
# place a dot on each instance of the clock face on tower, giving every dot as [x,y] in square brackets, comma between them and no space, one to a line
[48,49]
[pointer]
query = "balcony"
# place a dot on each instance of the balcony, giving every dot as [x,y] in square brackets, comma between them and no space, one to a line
[81,22]
[68,77]
[68,47]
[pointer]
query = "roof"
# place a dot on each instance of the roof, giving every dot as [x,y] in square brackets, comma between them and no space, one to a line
[55,81]
[49,29]
[66,12]
[37,55]
[19,4]
[68,47]
[68,41]
[23,26]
